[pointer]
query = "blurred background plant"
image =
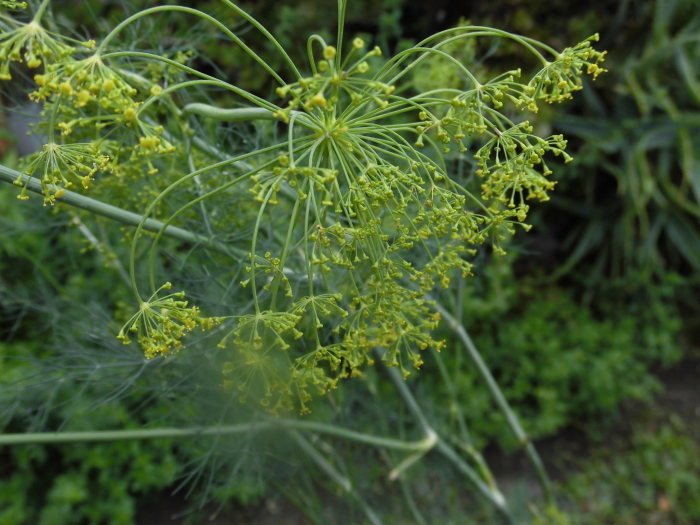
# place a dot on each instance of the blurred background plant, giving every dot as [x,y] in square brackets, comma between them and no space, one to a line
[575,322]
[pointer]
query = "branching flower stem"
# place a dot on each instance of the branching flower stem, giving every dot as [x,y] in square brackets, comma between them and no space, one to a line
[173,186]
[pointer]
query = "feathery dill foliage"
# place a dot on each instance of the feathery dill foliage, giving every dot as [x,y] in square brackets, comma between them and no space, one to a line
[354,212]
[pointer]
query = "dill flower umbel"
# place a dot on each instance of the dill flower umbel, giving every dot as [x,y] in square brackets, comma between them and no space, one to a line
[366,194]
[29,43]
[80,83]
[558,79]
[162,322]
[62,166]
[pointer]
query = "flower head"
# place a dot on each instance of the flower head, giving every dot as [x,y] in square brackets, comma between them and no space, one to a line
[162,322]
[63,166]
[89,81]
[558,79]
[29,43]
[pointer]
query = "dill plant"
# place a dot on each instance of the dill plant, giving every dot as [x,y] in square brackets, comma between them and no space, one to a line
[352,213]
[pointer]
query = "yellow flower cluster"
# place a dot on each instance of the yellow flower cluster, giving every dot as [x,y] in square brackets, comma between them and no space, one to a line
[89,81]
[29,43]
[62,166]
[162,322]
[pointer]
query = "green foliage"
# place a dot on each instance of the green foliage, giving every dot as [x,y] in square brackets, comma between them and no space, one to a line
[76,483]
[354,199]
[560,361]
[637,179]
[654,480]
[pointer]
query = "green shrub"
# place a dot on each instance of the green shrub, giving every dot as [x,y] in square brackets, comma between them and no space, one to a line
[652,480]
[559,360]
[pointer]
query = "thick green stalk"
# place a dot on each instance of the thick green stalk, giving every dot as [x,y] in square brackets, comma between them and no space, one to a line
[126,435]
[228,115]
[117,214]
[245,114]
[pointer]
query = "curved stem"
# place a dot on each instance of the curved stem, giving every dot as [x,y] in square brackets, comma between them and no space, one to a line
[195,12]
[467,32]
[170,188]
[310,50]
[490,493]
[336,476]
[439,52]
[242,92]
[266,33]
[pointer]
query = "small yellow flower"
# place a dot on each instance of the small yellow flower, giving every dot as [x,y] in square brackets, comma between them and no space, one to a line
[329,53]
[66,89]
[149,142]
[130,114]
[318,100]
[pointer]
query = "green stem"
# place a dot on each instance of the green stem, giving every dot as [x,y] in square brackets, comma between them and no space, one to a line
[425,51]
[466,32]
[117,214]
[497,394]
[491,494]
[266,33]
[151,56]
[310,50]
[342,5]
[195,12]
[323,464]
[40,11]
[336,476]
[244,114]
[228,115]
[163,433]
